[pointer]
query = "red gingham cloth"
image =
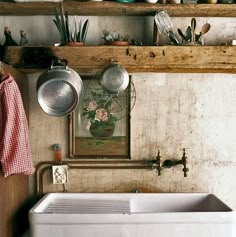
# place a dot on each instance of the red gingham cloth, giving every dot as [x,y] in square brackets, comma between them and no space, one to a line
[15,150]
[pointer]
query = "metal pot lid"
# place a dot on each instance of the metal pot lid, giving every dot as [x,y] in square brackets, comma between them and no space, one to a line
[114,78]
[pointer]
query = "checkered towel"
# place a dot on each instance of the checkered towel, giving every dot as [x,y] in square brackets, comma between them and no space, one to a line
[15,151]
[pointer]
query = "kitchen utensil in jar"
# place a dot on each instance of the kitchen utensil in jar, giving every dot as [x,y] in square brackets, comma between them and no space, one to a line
[205,28]
[59,89]
[193,28]
[164,25]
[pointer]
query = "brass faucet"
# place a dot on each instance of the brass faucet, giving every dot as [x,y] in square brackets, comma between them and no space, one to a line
[155,163]
[174,162]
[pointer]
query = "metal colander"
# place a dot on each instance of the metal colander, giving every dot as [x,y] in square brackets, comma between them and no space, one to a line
[58,97]
[59,89]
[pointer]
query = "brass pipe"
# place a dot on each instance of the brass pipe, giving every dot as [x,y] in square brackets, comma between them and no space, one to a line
[40,187]
[72,162]
[93,162]
[90,164]
[109,167]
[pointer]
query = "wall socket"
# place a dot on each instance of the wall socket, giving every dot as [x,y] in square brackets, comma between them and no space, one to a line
[60,174]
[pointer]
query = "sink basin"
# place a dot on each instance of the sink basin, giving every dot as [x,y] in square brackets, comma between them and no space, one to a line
[178,202]
[131,215]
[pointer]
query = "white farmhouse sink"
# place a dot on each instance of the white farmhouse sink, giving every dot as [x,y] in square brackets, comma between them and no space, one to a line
[131,215]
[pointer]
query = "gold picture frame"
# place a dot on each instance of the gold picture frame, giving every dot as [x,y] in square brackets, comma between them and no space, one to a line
[90,137]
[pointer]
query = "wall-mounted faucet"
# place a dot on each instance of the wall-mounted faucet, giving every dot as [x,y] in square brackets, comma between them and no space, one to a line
[174,162]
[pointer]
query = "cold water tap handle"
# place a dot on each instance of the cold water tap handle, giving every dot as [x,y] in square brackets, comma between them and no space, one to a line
[184,162]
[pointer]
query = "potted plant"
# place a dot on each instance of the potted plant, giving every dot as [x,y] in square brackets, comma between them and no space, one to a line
[74,34]
[115,38]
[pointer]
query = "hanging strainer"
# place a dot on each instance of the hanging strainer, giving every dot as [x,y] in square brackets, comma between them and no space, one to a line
[59,89]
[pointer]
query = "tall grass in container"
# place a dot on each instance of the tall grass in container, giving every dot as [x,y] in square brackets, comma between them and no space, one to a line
[74,34]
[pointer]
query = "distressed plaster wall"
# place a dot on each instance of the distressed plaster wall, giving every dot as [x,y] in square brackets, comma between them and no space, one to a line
[172,111]
[196,111]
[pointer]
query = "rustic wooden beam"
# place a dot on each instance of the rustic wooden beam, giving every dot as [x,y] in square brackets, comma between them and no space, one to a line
[110,8]
[90,59]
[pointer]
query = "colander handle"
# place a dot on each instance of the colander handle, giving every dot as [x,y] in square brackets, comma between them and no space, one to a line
[59,61]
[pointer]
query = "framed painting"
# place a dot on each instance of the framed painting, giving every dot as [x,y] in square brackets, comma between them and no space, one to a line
[100,126]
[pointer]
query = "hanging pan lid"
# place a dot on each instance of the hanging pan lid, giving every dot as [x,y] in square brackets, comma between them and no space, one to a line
[114,78]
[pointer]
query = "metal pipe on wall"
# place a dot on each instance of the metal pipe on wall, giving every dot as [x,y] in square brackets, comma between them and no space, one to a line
[90,164]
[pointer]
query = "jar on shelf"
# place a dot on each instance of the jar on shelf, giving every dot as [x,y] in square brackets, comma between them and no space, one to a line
[57,152]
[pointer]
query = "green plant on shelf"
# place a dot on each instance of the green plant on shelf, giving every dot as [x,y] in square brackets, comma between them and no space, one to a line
[75,32]
[113,36]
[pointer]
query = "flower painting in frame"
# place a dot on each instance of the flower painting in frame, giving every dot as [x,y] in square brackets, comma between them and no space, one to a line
[101,123]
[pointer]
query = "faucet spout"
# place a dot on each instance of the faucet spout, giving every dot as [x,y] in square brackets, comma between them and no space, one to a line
[174,162]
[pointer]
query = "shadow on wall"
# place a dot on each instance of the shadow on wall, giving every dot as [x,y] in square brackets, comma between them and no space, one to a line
[36,57]
[19,222]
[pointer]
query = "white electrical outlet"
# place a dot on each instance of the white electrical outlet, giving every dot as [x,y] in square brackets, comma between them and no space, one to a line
[60,174]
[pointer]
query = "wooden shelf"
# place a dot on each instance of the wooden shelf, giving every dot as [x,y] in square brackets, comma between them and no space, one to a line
[109,8]
[90,59]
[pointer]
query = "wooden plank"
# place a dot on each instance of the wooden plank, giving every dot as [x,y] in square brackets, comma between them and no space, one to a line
[109,8]
[90,59]
[13,205]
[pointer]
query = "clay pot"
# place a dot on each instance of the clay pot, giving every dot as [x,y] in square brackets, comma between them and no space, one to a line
[119,43]
[74,44]
[212,1]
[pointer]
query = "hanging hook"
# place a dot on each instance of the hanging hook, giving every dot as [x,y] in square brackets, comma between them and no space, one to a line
[113,61]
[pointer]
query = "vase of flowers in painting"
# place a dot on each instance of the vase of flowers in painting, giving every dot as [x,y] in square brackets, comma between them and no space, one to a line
[100,115]
[98,130]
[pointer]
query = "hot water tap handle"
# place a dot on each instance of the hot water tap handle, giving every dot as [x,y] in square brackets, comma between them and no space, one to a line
[158,160]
